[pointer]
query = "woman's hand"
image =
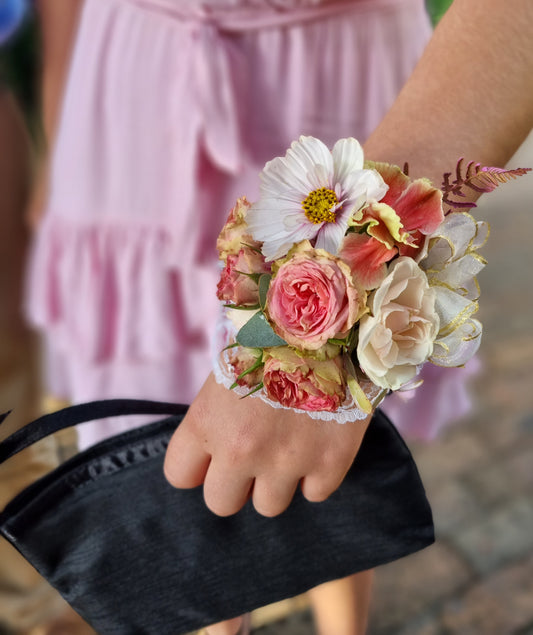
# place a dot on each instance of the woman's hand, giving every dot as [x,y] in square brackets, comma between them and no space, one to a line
[242,448]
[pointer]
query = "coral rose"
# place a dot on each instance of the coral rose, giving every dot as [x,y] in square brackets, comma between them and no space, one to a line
[399,334]
[244,359]
[312,297]
[235,285]
[302,382]
[235,232]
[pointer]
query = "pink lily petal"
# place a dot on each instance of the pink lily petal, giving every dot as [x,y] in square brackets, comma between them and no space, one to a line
[412,249]
[384,224]
[397,181]
[420,207]
[381,233]
[367,258]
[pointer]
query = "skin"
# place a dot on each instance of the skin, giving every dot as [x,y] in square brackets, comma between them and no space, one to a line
[470,95]
[59,21]
[341,607]
[15,179]
[255,451]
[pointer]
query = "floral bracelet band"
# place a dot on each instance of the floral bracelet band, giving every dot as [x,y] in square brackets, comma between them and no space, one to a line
[346,277]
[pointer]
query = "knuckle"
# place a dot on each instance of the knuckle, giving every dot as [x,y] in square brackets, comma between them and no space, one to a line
[334,463]
[198,412]
[241,450]
[236,455]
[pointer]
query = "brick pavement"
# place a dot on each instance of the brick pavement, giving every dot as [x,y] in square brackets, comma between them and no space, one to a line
[478,577]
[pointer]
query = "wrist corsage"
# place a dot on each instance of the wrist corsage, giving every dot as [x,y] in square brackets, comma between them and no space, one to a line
[346,277]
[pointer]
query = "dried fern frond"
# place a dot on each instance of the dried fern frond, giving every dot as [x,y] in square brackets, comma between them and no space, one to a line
[478,178]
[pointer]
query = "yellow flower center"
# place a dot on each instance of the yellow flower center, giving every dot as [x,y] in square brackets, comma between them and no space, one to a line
[319,204]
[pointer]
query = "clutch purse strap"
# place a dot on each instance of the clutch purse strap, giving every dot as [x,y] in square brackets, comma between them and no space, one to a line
[71,416]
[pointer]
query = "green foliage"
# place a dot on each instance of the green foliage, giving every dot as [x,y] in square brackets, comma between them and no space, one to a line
[264,283]
[19,69]
[257,333]
[437,8]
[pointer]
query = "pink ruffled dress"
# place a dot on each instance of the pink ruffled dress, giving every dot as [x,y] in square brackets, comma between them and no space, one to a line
[172,107]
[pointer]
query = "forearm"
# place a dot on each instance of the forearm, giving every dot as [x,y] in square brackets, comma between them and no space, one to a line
[471,94]
[59,20]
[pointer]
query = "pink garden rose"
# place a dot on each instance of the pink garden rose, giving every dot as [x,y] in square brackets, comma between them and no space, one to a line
[312,297]
[235,234]
[302,382]
[234,286]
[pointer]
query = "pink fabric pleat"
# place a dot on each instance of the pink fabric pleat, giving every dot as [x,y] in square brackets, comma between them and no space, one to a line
[172,107]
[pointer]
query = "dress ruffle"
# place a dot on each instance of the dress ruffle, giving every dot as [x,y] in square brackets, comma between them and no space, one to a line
[116,291]
[441,400]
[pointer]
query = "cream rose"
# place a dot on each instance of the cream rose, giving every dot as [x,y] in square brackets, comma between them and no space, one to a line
[399,333]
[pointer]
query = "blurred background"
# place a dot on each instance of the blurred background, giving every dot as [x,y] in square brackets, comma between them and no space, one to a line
[478,577]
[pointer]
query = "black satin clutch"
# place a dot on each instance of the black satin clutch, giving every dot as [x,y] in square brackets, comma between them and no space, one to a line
[134,556]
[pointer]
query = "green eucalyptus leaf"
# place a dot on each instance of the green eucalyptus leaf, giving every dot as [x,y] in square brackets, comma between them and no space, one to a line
[264,283]
[257,333]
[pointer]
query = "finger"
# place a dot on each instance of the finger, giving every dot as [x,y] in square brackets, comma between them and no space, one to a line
[333,464]
[229,627]
[226,491]
[273,494]
[186,461]
[318,487]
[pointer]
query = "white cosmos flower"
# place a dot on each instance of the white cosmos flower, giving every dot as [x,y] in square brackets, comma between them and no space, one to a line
[310,194]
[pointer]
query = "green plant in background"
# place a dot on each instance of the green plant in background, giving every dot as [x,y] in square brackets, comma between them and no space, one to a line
[437,8]
[19,70]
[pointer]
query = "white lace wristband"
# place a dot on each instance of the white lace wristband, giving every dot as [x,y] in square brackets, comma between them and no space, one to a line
[223,372]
